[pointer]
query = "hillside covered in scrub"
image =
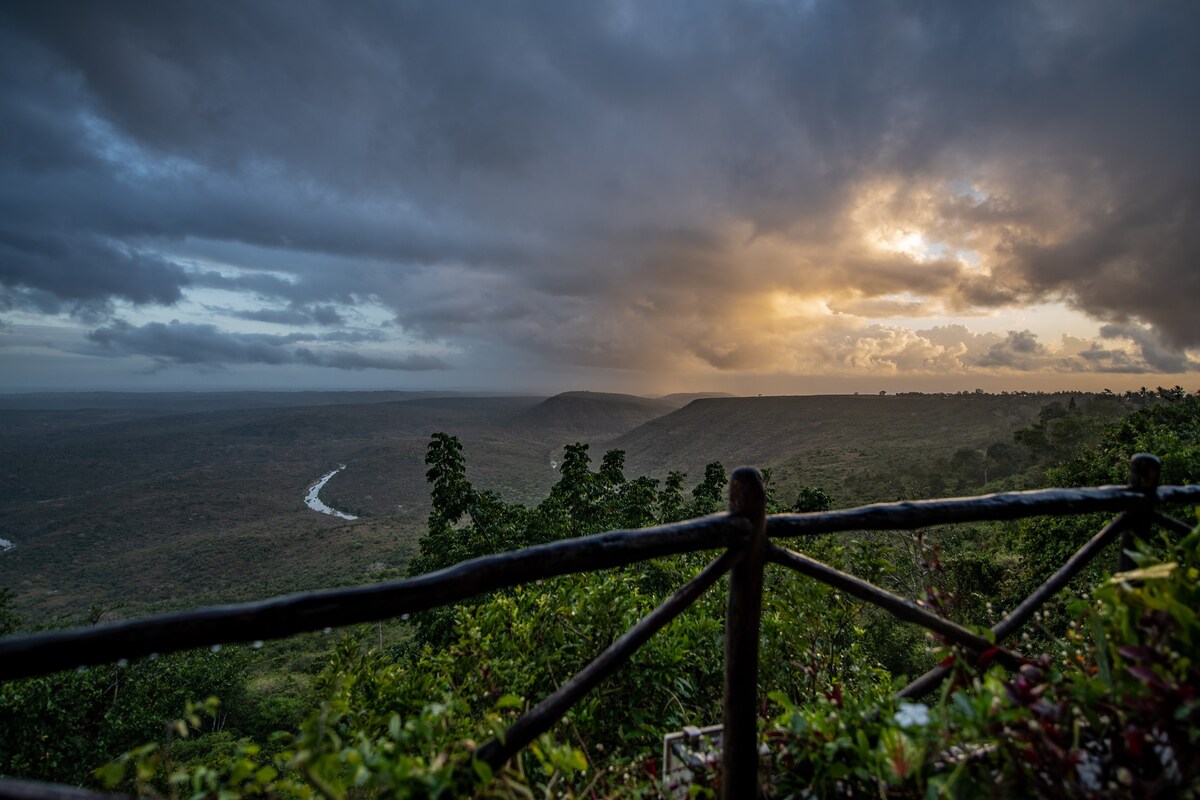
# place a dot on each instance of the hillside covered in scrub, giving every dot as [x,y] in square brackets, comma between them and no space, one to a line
[160,502]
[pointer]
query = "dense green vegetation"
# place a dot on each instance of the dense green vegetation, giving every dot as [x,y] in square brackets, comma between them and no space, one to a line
[61,726]
[405,717]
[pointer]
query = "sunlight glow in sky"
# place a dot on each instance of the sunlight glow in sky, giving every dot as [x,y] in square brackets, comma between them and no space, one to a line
[611,196]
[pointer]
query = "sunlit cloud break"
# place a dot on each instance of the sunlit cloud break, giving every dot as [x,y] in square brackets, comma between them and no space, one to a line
[613,195]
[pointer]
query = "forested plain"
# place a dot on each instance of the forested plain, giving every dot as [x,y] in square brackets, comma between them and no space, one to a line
[115,516]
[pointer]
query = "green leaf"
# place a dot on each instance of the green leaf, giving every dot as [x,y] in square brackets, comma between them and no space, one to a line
[509,701]
[1151,573]
[111,773]
[782,700]
[1101,650]
[482,770]
[965,707]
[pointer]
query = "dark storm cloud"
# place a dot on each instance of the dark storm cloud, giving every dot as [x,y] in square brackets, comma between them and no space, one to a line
[530,174]
[1115,361]
[1018,350]
[79,267]
[1156,353]
[183,343]
[1021,351]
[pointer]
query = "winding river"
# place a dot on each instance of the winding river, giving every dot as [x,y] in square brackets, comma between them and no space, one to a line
[314,502]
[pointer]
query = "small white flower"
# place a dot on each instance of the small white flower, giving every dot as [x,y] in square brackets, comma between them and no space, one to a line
[1089,771]
[912,714]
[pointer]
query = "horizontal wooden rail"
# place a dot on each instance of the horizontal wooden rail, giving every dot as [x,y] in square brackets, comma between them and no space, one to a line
[1171,495]
[549,711]
[22,656]
[37,654]
[921,513]
[1022,613]
[14,789]
[899,607]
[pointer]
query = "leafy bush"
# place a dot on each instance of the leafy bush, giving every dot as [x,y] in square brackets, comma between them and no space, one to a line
[1114,712]
[62,726]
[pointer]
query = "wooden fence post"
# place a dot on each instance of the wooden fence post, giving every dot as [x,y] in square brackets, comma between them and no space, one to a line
[739,780]
[1144,471]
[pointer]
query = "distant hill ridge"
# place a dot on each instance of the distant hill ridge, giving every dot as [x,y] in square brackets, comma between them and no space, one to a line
[586,415]
[606,397]
[818,438]
[681,399]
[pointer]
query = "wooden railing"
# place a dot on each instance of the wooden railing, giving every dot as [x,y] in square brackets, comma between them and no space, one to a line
[744,535]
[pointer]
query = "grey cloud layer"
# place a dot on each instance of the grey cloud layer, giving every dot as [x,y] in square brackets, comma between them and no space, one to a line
[599,184]
[182,343]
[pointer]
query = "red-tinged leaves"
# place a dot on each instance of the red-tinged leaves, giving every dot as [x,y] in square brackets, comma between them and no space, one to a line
[1133,742]
[986,657]
[1148,677]
[1140,655]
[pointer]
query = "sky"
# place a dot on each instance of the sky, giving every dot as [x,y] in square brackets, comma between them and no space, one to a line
[755,197]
